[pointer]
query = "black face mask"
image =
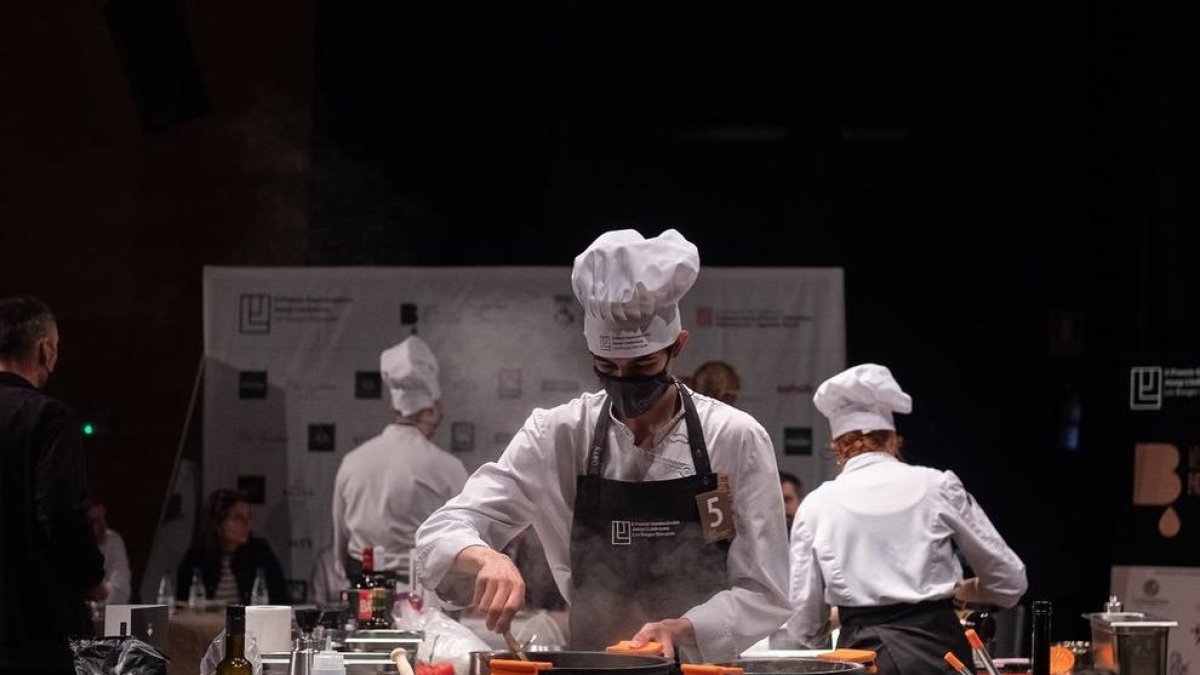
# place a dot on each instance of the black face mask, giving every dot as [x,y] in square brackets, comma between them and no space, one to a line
[633,395]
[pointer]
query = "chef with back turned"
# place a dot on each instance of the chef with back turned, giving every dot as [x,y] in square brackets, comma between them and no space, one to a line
[659,508]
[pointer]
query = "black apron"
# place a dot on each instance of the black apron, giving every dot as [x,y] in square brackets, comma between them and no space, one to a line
[637,548]
[908,639]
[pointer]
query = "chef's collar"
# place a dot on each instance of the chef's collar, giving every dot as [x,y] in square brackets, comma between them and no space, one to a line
[868,459]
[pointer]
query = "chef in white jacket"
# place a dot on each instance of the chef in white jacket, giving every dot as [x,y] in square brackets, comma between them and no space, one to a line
[877,541]
[633,489]
[389,485]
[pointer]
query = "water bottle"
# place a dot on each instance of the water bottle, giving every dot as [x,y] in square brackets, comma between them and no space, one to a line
[258,594]
[197,593]
[166,591]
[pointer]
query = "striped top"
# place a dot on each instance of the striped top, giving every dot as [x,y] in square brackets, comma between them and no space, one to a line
[227,588]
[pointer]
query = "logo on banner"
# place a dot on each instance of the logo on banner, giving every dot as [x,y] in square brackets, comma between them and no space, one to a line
[254,487]
[254,314]
[408,314]
[797,441]
[299,490]
[368,384]
[252,384]
[621,535]
[322,437]
[762,318]
[462,437]
[509,383]
[1145,388]
[1151,587]
[564,310]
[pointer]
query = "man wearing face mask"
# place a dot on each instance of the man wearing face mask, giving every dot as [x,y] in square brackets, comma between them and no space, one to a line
[389,485]
[632,490]
[49,560]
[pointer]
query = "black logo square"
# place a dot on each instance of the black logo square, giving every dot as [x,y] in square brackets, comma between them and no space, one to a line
[408,314]
[462,437]
[322,437]
[368,384]
[797,441]
[252,384]
[254,487]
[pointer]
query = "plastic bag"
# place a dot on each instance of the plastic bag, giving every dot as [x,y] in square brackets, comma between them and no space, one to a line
[446,640]
[541,632]
[116,656]
[216,652]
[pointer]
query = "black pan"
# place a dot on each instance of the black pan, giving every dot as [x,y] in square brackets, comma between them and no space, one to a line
[599,663]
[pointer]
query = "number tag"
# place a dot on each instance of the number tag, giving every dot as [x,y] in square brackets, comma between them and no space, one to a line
[716,515]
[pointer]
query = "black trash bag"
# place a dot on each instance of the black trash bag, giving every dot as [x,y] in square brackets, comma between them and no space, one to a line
[116,656]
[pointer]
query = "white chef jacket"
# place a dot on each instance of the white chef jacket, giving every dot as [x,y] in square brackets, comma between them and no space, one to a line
[385,489]
[117,578]
[881,533]
[533,483]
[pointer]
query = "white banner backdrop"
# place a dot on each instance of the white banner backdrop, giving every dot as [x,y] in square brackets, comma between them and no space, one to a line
[292,368]
[1168,593]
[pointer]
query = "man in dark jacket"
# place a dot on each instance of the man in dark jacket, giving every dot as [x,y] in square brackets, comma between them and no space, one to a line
[49,561]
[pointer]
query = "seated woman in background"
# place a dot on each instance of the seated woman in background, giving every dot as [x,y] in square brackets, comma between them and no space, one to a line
[227,556]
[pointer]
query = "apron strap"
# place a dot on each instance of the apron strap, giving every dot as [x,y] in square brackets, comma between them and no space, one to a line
[595,464]
[695,433]
[700,460]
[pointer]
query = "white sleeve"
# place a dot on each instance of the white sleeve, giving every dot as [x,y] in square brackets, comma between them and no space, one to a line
[1001,573]
[809,622]
[755,605]
[341,533]
[494,506]
[116,565]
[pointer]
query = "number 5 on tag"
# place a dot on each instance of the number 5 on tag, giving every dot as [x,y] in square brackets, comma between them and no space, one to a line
[716,515]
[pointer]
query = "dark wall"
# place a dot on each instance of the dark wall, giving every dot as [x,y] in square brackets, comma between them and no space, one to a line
[1003,188]
[111,226]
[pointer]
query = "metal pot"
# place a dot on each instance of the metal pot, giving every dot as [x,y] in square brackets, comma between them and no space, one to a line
[588,663]
[795,666]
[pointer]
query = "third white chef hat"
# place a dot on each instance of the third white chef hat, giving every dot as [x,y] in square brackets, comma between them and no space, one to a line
[861,398]
[630,288]
[410,372]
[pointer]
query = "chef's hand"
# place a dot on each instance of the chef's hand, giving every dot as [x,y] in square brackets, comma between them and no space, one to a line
[670,633]
[967,591]
[499,588]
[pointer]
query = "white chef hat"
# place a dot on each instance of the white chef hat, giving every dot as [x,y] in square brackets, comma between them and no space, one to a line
[630,288]
[410,372]
[862,398]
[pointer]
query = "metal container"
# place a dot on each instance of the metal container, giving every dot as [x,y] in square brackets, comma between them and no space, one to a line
[385,641]
[357,663]
[1129,643]
[795,666]
[588,663]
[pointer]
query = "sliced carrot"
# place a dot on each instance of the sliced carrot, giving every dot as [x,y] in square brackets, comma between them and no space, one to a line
[626,647]
[1062,660]
[851,655]
[517,667]
[707,669]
